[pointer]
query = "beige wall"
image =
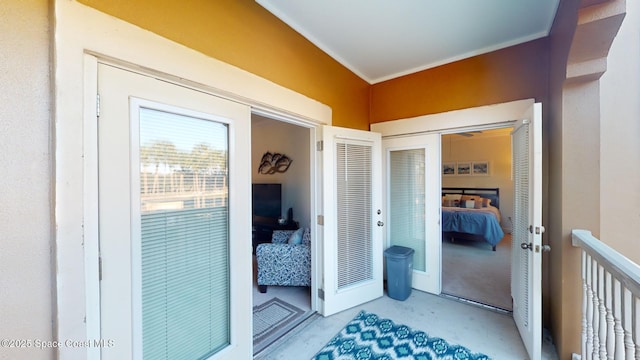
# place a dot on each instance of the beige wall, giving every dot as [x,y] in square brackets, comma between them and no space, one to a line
[619,137]
[593,122]
[492,147]
[560,42]
[25,187]
[293,141]
[565,186]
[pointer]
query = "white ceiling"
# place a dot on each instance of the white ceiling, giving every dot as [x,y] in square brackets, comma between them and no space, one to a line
[383,39]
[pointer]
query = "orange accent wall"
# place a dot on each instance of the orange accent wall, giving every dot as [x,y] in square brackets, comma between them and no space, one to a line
[515,73]
[243,34]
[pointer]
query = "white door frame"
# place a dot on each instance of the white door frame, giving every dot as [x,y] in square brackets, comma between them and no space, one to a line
[490,116]
[486,117]
[91,220]
[314,199]
[75,77]
[478,118]
[120,218]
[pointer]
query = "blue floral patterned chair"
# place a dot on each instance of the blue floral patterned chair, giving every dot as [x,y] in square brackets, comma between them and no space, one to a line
[286,260]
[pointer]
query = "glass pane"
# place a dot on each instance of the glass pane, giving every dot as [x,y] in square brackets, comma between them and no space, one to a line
[407,202]
[185,237]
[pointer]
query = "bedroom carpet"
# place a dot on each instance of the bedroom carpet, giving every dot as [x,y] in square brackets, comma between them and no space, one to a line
[470,270]
[369,336]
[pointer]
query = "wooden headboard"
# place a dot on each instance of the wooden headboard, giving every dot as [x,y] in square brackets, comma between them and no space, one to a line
[489,193]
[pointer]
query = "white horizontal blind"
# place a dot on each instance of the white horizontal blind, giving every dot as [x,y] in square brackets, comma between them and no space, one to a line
[185,236]
[407,202]
[353,171]
[520,277]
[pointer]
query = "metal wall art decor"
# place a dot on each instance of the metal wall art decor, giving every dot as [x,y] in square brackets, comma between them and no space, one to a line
[272,163]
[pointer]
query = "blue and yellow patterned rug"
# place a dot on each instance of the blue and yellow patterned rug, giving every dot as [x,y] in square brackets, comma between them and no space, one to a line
[368,336]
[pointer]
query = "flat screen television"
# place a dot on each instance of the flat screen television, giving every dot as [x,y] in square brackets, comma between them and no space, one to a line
[267,200]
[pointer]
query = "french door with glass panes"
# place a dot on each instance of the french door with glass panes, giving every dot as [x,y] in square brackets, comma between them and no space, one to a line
[173,185]
[352,223]
[412,183]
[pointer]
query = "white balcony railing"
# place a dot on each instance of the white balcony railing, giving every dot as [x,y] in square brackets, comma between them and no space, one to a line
[610,301]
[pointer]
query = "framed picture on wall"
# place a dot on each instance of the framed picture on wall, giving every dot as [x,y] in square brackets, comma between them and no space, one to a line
[448,168]
[463,168]
[480,168]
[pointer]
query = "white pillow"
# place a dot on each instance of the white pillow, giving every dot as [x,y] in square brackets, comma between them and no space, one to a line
[296,237]
[470,204]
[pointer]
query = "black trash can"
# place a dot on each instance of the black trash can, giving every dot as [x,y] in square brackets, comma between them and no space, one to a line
[399,270]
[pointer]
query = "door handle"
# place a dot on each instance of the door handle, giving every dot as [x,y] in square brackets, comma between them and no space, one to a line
[545,248]
[539,229]
[380,223]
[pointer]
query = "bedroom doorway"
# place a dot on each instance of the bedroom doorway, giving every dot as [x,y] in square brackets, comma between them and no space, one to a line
[526,260]
[477,189]
[282,200]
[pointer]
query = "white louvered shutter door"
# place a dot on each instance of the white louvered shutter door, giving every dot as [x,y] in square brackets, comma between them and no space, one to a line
[520,275]
[526,267]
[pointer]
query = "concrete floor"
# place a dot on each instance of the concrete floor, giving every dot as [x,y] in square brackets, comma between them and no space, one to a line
[479,329]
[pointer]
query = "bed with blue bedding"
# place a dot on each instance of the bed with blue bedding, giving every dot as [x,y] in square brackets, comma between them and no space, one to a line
[471,214]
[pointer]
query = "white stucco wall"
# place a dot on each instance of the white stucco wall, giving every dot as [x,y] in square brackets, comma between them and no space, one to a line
[620,139]
[25,186]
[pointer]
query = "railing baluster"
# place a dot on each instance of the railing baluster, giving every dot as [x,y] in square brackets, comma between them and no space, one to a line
[602,312]
[629,347]
[589,314]
[611,301]
[608,292]
[585,297]
[617,318]
[596,310]
[636,324]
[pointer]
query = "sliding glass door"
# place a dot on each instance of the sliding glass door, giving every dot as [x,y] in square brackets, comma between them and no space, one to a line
[173,195]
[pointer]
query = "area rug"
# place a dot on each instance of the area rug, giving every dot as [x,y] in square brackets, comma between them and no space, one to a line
[273,319]
[368,336]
